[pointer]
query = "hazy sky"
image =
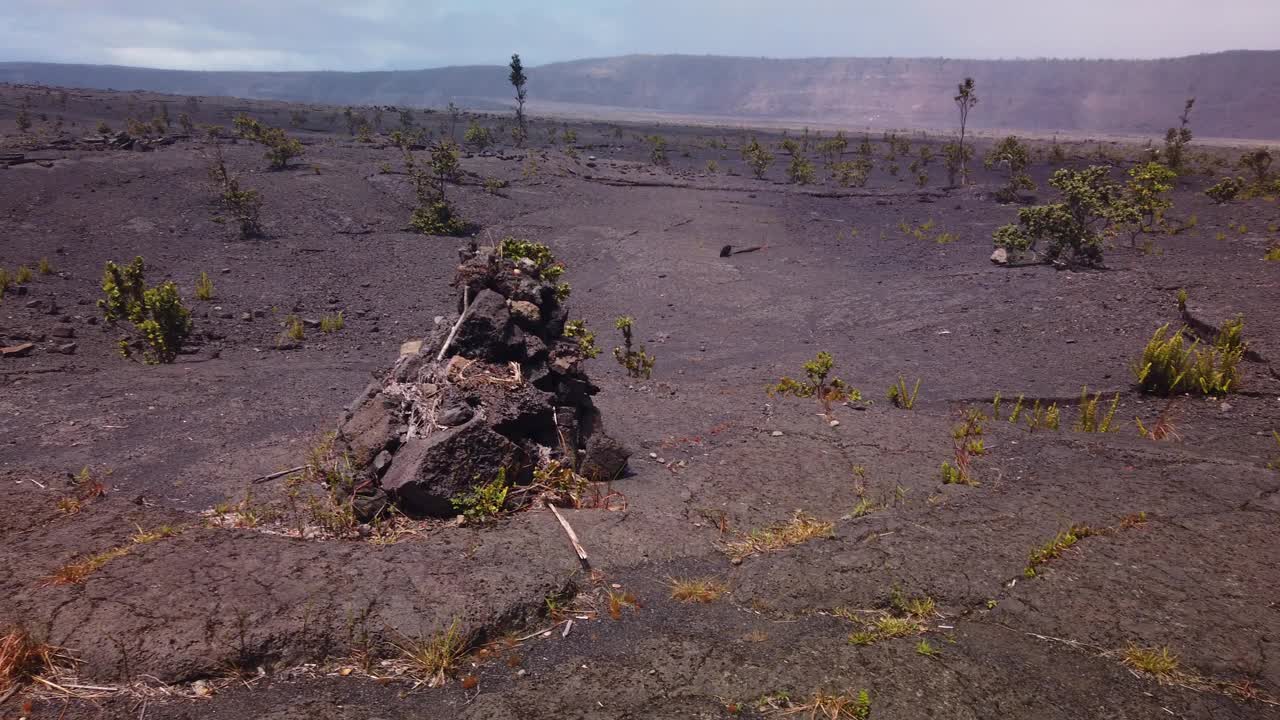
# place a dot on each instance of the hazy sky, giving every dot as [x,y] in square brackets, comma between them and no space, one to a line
[400,34]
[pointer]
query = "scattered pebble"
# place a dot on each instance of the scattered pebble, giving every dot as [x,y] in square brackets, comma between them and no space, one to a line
[835,423]
[776,433]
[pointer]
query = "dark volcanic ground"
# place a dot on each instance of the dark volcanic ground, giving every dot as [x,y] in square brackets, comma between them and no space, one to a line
[168,623]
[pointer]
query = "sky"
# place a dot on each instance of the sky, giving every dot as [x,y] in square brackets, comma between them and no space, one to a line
[410,34]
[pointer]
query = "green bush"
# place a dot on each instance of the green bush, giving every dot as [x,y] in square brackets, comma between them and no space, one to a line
[477,136]
[1226,190]
[438,218]
[545,265]
[800,170]
[817,384]
[1073,227]
[638,363]
[161,322]
[1169,366]
[484,502]
[280,147]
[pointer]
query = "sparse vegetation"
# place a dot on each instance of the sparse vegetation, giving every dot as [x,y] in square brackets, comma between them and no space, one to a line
[800,170]
[904,618]
[204,287]
[485,501]
[1061,542]
[518,80]
[830,707]
[899,396]
[1177,139]
[586,340]
[658,151]
[477,136]
[22,658]
[44,267]
[161,323]
[638,363]
[817,384]
[801,528]
[245,206]
[1225,190]
[1089,421]
[1158,662]
[332,322]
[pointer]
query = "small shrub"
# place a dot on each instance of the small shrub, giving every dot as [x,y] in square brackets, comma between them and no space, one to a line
[5,281]
[22,657]
[1168,366]
[638,363]
[104,128]
[800,170]
[586,340]
[477,136]
[44,267]
[1013,157]
[1226,190]
[1273,254]
[817,384]
[484,502]
[294,329]
[1073,228]
[833,707]
[204,287]
[160,321]
[851,173]
[899,396]
[545,265]
[494,186]
[758,157]
[439,218]
[23,275]
[658,150]
[280,147]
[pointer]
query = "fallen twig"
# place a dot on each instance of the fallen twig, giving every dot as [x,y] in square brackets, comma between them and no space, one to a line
[466,308]
[282,473]
[573,537]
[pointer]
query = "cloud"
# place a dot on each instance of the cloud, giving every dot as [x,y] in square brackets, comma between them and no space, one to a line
[401,34]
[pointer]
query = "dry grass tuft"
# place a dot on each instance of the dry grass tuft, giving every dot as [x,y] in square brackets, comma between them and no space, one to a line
[433,660]
[1160,663]
[701,590]
[22,657]
[834,707]
[801,528]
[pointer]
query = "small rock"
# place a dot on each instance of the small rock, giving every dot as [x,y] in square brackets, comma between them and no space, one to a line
[63,331]
[1224,407]
[456,415]
[653,456]
[259,313]
[67,348]
[527,311]
[246,317]
[1000,256]
[410,347]
[226,271]
[308,322]
[834,423]
[34,303]
[776,433]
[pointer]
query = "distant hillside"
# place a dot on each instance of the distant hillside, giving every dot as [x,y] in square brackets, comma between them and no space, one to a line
[1238,93]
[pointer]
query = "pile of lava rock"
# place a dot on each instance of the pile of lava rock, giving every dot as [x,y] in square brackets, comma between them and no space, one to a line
[497,388]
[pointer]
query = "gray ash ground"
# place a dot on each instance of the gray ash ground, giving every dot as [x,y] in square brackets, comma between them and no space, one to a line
[715,457]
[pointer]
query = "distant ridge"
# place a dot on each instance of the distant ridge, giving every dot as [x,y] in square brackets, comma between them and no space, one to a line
[1238,92]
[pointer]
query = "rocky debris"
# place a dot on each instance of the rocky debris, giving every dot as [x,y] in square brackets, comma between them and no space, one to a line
[498,388]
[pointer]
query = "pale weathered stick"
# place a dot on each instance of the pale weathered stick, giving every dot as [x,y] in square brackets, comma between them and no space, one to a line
[573,537]
[282,473]
[466,307]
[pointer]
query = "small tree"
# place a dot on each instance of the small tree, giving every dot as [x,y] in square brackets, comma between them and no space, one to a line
[1176,139]
[817,384]
[1074,227]
[1142,207]
[1257,162]
[955,155]
[185,121]
[517,78]
[1013,157]
[638,363]
[658,150]
[23,119]
[406,119]
[966,98]
[800,170]
[758,157]
[243,204]
[434,215]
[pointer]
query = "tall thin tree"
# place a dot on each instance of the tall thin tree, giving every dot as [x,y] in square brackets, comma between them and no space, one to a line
[965,99]
[518,80]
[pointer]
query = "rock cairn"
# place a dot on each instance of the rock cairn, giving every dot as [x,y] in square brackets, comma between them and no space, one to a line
[499,387]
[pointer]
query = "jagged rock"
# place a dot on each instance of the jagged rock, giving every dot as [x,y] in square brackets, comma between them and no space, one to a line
[483,333]
[1000,256]
[369,504]
[427,472]
[603,458]
[369,431]
[526,312]
[455,415]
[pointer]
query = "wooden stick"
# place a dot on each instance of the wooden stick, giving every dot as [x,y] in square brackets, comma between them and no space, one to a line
[573,537]
[466,308]
[282,473]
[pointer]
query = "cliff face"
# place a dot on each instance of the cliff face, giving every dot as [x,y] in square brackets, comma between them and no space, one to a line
[1238,93]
